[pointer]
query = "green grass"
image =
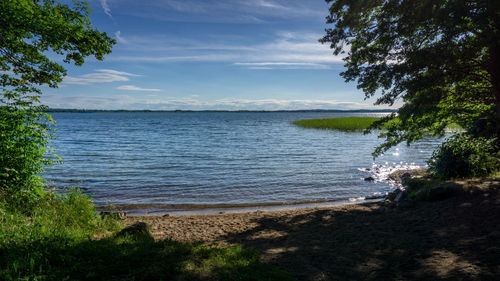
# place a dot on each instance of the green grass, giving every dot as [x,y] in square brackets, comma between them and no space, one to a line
[62,238]
[342,124]
[350,124]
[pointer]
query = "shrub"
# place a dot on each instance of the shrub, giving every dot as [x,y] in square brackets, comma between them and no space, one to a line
[24,138]
[463,156]
[32,33]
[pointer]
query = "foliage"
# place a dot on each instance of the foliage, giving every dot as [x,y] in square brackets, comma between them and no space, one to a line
[440,58]
[342,124]
[58,240]
[24,137]
[29,31]
[464,156]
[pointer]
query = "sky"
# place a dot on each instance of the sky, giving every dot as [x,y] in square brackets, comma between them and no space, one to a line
[210,55]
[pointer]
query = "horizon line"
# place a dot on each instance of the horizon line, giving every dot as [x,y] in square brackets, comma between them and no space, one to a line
[76,110]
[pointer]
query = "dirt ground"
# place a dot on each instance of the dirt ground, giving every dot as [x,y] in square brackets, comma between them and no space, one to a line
[453,239]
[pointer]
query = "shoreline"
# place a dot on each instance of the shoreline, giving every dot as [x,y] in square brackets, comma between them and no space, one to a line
[450,239]
[139,210]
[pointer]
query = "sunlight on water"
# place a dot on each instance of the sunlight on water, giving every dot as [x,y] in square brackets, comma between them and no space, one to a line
[381,172]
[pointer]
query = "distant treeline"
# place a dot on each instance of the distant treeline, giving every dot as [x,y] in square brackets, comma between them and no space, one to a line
[53,110]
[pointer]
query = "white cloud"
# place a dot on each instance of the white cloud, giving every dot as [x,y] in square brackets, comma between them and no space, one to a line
[119,38]
[100,76]
[135,88]
[192,103]
[231,11]
[301,49]
[195,58]
[267,4]
[282,65]
[116,72]
[105,7]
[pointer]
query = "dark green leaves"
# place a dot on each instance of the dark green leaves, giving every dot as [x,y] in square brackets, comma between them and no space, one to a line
[31,28]
[439,58]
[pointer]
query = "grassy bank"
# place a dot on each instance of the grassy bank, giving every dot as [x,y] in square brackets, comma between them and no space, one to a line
[62,238]
[342,124]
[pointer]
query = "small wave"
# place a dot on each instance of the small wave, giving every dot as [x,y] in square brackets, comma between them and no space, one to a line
[56,180]
[357,199]
[158,209]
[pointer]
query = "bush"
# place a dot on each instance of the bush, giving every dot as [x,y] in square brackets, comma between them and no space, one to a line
[24,151]
[462,156]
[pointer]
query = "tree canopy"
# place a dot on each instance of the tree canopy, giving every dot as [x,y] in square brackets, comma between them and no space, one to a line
[30,29]
[34,36]
[439,58]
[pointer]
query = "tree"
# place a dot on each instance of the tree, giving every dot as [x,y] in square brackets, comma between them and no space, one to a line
[441,58]
[33,34]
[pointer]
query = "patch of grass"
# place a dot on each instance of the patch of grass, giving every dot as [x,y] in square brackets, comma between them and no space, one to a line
[342,124]
[63,238]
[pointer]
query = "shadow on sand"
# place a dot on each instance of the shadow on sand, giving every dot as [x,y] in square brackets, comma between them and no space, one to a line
[453,239]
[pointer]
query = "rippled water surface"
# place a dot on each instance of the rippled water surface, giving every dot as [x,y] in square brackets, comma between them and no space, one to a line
[168,161]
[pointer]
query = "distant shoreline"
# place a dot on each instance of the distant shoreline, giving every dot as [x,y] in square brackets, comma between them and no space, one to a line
[71,110]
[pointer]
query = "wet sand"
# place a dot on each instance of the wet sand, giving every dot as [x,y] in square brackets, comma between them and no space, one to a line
[453,239]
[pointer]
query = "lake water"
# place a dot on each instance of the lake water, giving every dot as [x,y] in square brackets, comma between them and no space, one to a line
[178,161]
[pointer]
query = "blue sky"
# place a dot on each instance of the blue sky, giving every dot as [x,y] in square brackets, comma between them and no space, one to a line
[210,54]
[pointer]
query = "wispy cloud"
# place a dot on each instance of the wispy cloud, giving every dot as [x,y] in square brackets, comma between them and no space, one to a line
[267,4]
[186,6]
[119,38]
[193,103]
[298,50]
[100,76]
[228,11]
[116,72]
[105,7]
[282,65]
[135,88]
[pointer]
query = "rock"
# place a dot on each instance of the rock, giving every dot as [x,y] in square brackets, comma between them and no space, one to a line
[369,178]
[373,197]
[397,176]
[405,178]
[138,228]
[118,215]
[400,196]
[392,195]
[397,195]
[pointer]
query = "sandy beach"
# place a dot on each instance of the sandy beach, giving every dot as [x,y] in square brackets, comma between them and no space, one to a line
[453,239]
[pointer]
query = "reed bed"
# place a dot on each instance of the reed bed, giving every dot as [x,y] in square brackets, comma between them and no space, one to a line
[343,124]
